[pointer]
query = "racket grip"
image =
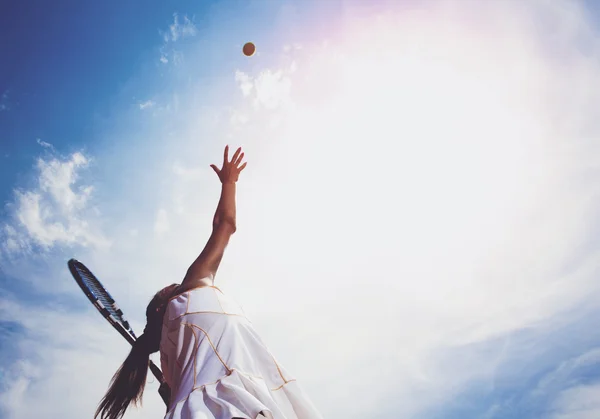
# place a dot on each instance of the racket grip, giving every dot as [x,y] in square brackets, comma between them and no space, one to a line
[156,371]
[165,393]
[163,390]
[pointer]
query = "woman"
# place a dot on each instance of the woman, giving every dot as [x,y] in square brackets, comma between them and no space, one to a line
[213,361]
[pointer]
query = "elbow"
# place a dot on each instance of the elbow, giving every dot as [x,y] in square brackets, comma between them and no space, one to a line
[225,222]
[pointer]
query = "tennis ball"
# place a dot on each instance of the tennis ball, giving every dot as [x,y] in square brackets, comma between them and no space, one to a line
[249,49]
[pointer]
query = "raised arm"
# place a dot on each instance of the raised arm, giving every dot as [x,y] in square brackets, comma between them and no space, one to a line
[204,268]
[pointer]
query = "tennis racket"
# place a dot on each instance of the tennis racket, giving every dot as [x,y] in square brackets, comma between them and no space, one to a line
[106,305]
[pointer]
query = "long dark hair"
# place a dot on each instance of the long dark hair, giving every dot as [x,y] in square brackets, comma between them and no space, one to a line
[127,385]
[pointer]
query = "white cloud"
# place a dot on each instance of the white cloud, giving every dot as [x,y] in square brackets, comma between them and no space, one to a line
[272,89]
[177,30]
[44,143]
[53,212]
[580,402]
[555,380]
[572,399]
[245,82]
[147,104]
[569,391]
[83,343]
[269,90]
[13,241]
[57,178]
[20,376]
[178,57]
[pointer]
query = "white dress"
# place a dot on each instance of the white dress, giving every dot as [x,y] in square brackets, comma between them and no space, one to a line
[218,367]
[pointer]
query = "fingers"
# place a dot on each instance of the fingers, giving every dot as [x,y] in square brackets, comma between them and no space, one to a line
[243,166]
[235,155]
[237,162]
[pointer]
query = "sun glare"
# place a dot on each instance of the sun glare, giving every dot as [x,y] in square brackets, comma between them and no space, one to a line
[427,134]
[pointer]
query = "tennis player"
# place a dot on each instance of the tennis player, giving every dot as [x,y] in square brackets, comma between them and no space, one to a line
[213,361]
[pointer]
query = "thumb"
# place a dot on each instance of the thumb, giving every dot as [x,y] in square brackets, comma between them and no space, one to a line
[215,168]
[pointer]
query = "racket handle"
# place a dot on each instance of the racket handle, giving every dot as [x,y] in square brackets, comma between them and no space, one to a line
[156,371]
[163,390]
[165,393]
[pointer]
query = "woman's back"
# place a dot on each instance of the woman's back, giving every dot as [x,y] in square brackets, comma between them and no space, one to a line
[218,367]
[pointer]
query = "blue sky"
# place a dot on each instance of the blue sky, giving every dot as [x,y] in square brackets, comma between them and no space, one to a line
[418,219]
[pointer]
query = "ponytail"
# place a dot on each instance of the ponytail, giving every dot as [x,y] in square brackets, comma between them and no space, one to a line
[127,385]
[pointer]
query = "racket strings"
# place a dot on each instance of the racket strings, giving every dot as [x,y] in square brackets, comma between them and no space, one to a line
[100,293]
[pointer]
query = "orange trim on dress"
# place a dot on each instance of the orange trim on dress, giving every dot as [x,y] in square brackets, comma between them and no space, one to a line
[281,386]
[191,325]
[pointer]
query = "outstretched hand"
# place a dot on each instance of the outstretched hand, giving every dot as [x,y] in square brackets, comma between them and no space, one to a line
[230,172]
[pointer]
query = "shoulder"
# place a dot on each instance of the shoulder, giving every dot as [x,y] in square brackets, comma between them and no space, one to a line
[193,299]
[191,284]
